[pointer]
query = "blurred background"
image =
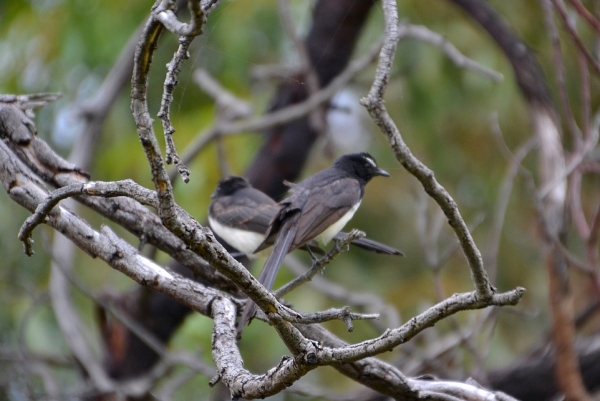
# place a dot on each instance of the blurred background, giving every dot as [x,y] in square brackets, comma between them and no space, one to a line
[449,117]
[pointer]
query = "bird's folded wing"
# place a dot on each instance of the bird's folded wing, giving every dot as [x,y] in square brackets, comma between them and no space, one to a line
[325,207]
[244,214]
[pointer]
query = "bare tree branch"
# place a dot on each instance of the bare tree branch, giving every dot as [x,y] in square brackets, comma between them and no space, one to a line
[27,163]
[375,105]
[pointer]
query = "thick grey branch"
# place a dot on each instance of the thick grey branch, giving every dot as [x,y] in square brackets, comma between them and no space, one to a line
[311,354]
[229,362]
[45,163]
[167,17]
[104,244]
[126,188]
[459,391]
[395,337]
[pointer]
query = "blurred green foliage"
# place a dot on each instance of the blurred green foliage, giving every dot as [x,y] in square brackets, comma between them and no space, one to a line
[444,113]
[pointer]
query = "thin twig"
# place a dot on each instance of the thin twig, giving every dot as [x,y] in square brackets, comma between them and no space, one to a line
[588,16]
[560,73]
[514,167]
[320,265]
[560,7]
[425,35]
[105,189]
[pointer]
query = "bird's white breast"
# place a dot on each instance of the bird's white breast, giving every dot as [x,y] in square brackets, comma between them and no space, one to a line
[336,227]
[242,240]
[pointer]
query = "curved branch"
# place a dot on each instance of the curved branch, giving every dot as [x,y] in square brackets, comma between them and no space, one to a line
[19,133]
[375,105]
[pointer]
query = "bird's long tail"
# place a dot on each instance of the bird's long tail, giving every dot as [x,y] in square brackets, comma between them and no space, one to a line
[373,246]
[282,245]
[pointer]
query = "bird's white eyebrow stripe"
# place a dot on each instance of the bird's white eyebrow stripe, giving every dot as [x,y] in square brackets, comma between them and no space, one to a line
[371,161]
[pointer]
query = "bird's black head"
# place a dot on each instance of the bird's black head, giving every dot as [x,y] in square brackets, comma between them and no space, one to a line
[229,185]
[361,165]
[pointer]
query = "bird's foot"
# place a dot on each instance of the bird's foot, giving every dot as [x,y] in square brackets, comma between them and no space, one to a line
[314,259]
[340,246]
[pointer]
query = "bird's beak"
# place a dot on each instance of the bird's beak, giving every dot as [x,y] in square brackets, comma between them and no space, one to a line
[382,172]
